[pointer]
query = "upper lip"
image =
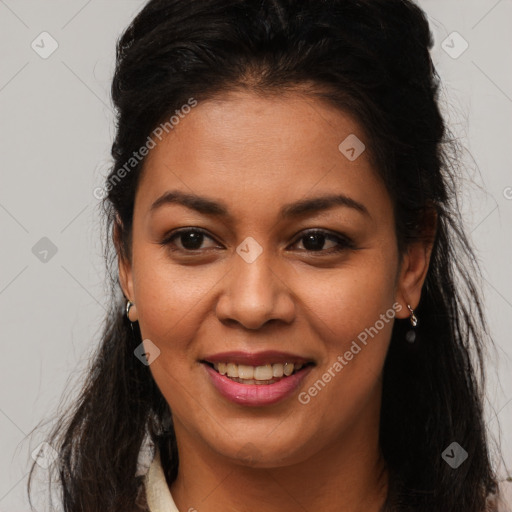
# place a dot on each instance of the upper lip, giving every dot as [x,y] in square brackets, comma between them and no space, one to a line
[256,358]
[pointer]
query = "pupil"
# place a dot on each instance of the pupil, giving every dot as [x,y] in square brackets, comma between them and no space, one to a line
[320,239]
[192,240]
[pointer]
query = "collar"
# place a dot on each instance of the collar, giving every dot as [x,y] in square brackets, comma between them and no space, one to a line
[158,494]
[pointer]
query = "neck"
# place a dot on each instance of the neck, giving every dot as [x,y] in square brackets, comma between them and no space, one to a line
[348,475]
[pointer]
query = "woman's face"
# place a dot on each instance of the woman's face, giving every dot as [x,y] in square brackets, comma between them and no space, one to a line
[248,282]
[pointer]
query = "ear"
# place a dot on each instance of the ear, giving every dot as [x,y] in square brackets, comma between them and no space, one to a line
[414,268]
[123,260]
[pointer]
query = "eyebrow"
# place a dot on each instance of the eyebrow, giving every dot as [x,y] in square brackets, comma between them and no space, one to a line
[210,207]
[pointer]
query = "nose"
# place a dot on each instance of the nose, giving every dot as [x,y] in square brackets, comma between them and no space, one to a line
[255,293]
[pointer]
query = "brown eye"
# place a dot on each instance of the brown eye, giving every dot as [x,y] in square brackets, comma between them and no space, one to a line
[189,239]
[315,241]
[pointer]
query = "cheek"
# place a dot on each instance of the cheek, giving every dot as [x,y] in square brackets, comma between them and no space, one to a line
[170,302]
[354,297]
[169,296]
[354,315]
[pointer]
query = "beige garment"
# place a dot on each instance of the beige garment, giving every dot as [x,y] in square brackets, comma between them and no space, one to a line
[157,491]
[505,502]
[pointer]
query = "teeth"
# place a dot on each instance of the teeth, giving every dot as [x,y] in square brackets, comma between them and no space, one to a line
[253,381]
[245,371]
[263,374]
[232,370]
[288,369]
[277,370]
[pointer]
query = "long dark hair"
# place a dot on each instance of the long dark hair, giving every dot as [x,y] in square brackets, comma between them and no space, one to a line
[366,57]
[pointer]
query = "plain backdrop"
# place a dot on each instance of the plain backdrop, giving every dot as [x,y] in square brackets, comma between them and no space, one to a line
[56,128]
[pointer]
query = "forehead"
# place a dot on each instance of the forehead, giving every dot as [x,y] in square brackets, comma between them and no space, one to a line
[253,150]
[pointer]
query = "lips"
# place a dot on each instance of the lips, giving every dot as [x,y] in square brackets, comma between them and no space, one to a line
[256,379]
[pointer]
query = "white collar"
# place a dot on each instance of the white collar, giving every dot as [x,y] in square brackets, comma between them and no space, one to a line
[158,494]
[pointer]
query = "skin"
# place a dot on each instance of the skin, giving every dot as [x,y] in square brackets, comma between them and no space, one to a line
[256,154]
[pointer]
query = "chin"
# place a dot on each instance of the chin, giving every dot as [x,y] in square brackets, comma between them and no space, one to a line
[261,453]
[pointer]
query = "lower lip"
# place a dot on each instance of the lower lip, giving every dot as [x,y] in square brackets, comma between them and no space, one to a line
[256,394]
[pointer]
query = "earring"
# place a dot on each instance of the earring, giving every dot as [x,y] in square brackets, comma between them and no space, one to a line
[412,318]
[129,305]
[410,335]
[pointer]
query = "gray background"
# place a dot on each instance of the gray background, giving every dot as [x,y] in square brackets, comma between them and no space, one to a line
[56,129]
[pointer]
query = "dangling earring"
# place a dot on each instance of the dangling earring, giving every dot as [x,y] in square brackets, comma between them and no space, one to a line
[410,335]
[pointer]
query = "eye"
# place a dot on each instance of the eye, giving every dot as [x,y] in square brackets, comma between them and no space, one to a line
[190,239]
[314,241]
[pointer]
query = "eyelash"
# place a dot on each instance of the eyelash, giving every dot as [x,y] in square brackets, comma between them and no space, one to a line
[344,242]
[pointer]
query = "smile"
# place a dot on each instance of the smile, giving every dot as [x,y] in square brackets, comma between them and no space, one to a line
[265,374]
[256,379]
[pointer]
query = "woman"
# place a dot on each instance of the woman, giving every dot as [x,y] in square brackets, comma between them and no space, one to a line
[299,328]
